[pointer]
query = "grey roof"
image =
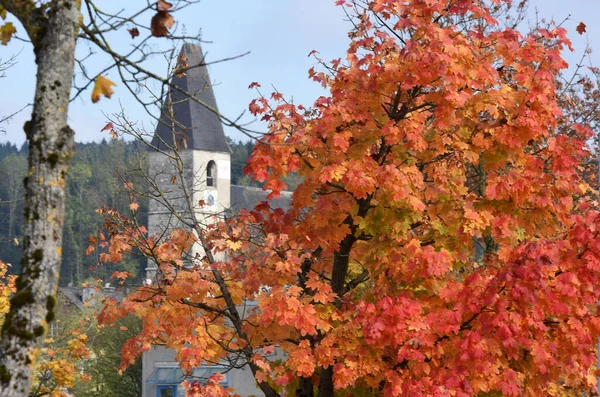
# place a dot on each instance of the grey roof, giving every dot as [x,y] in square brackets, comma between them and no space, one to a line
[200,126]
[73,295]
[247,197]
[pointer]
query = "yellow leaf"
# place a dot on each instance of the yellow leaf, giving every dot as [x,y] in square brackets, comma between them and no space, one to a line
[6,32]
[102,87]
[234,245]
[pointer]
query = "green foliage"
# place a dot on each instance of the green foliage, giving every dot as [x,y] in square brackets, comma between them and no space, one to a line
[103,367]
[95,179]
[92,353]
[13,168]
[240,151]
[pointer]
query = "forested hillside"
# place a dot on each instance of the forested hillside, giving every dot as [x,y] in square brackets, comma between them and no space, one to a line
[96,178]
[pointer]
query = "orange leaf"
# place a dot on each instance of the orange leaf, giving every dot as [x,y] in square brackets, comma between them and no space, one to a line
[120,275]
[182,65]
[134,206]
[162,5]
[102,87]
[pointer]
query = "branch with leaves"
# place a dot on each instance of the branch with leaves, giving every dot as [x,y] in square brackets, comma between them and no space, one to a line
[442,239]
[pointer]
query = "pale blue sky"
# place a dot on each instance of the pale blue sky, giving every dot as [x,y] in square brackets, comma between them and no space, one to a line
[279,35]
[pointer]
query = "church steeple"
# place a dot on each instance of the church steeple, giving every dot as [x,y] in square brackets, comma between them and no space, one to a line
[198,125]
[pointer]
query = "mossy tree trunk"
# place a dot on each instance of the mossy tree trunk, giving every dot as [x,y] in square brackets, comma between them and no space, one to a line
[52,27]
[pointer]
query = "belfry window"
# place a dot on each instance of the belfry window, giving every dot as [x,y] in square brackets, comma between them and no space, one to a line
[211,174]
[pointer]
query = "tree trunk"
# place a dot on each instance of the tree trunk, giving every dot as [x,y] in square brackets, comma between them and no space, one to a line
[326,382]
[305,388]
[50,147]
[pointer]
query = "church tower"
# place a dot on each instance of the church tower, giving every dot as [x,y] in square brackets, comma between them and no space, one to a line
[189,129]
[189,172]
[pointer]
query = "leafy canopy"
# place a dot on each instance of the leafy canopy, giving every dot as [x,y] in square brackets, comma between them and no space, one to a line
[442,240]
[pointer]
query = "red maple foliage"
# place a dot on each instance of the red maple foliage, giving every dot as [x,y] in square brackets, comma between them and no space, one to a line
[442,241]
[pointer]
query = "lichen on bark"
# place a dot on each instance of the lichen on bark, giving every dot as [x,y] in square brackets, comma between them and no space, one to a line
[52,27]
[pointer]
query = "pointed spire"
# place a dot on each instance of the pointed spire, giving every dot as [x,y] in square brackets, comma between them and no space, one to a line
[196,126]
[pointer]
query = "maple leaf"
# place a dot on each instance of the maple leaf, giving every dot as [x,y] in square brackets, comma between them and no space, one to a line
[162,21]
[581,28]
[182,65]
[234,245]
[253,85]
[163,5]
[6,32]
[102,86]
[134,32]
[134,206]
[120,275]
[431,227]
[111,130]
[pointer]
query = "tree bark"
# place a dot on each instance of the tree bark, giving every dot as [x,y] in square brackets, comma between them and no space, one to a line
[305,388]
[53,33]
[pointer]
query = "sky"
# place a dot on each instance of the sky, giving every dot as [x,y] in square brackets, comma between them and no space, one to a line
[278,34]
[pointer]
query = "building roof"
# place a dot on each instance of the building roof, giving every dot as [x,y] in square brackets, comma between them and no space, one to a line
[194,122]
[247,197]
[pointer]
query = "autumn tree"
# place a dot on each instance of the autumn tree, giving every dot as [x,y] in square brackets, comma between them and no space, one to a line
[442,240]
[53,27]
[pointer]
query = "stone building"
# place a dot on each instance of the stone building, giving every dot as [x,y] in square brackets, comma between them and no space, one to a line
[194,133]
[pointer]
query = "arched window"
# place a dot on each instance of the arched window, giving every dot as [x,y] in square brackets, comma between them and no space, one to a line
[211,174]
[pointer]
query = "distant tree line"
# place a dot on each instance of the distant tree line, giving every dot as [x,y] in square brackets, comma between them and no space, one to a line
[98,171]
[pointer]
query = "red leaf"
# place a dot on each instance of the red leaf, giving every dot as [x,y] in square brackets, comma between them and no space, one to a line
[581,28]
[161,22]
[253,84]
[134,32]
